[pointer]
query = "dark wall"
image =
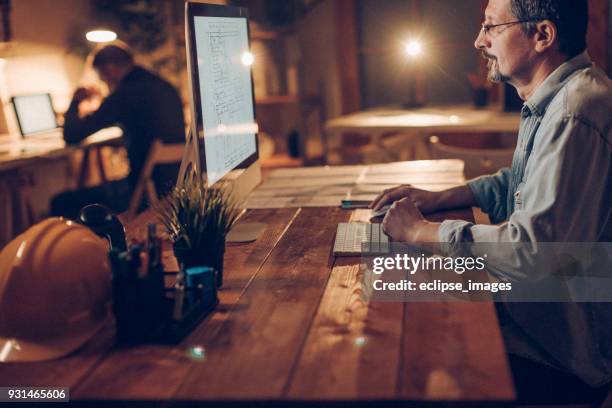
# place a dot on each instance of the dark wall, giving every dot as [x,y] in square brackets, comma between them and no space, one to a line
[449,28]
[610,39]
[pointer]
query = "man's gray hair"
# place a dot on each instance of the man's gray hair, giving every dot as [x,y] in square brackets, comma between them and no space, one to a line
[570,16]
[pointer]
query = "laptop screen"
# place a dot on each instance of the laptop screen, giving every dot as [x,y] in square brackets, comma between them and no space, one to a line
[34,113]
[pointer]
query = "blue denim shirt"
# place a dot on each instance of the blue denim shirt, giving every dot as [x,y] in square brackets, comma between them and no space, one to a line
[559,189]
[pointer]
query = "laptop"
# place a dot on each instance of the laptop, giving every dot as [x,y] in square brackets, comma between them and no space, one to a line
[35,116]
[39,128]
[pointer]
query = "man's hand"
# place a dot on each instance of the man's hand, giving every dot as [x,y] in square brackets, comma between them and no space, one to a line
[82,94]
[405,223]
[426,201]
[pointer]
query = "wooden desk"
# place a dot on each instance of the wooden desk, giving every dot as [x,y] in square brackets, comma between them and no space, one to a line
[17,152]
[291,325]
[19,159]
[418,124]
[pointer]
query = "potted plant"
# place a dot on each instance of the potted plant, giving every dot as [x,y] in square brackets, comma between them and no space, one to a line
[198,218]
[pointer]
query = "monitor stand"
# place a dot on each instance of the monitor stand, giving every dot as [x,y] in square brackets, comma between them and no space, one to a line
[240,183]
[245,232]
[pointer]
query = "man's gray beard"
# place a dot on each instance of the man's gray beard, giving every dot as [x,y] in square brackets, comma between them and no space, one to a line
[494,75]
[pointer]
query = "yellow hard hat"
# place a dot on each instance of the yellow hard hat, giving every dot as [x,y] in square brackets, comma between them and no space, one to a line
[55,291]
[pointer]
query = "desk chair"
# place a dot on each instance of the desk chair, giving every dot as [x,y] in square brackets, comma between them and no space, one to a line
[478,161]
[84,166]
[16,213]
[159,153]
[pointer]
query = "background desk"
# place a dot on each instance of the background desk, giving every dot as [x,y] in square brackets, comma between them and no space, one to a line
[32,170]
[291,325]
[17,152]
[417,125]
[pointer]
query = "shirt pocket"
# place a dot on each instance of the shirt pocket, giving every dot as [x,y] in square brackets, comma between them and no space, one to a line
[519,196]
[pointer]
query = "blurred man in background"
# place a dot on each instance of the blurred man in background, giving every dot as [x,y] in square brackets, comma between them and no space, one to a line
[144,105]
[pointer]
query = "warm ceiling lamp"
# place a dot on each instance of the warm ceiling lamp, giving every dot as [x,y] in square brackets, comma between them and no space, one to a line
[101,36]
[414,48]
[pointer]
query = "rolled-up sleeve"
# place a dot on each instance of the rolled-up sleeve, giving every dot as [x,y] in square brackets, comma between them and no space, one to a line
[491,194]
[564,197]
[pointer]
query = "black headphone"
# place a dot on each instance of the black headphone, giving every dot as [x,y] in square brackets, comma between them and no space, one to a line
[105,224]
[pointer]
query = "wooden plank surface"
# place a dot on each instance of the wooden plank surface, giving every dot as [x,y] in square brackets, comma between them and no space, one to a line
[428,120]
[254,353]
[353,346]
[454,352]
[157,371]
[414,351]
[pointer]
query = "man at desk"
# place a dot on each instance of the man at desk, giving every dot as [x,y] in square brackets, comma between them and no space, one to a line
[559,189]
[144,105]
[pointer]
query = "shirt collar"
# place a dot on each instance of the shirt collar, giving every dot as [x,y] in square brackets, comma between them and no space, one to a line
[547,90]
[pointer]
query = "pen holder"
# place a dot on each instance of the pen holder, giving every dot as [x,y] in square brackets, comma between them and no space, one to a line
[201,282]
[138,301]
[146,311]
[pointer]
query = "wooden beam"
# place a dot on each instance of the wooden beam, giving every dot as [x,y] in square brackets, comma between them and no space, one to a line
[5,10]
[416,16]
[494,92]
[597,36]
[346,43]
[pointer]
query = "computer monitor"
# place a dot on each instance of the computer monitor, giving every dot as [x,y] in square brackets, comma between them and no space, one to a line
[222,144]
[35,113]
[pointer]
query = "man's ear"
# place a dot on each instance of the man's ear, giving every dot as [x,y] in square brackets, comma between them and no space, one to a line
[545,36]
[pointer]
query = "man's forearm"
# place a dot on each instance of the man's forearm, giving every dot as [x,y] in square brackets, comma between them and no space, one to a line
[456,197]
[72,124]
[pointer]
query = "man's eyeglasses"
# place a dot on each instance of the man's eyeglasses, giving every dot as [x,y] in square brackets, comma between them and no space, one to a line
[486,28]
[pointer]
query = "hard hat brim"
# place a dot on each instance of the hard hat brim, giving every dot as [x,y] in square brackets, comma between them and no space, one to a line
[15,350]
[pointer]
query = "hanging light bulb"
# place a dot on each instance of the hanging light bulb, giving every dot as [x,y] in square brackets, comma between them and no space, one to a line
[413,48]
[101,36]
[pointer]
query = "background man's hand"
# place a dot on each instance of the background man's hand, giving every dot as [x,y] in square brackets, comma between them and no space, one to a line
[426,201]
[82,94]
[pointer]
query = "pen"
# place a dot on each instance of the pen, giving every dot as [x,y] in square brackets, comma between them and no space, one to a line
[151,246]
[355,203]
[179,296]
[134,260]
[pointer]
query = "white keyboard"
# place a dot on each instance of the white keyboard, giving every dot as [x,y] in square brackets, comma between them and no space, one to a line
[351,236]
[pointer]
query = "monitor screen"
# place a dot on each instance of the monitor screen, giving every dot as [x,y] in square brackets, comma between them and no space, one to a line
[222,88]
[34,113]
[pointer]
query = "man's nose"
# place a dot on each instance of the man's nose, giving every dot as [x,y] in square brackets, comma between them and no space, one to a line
[481,40]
